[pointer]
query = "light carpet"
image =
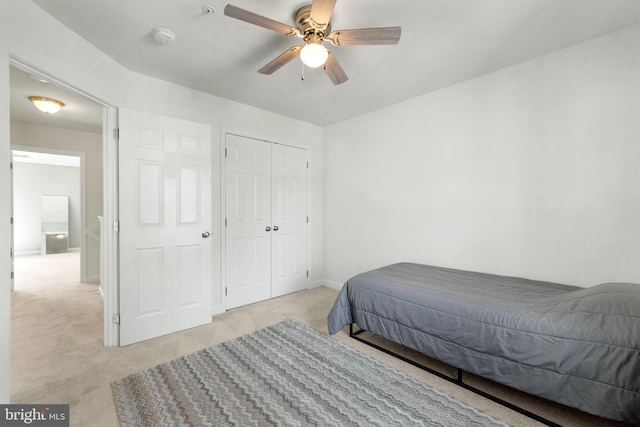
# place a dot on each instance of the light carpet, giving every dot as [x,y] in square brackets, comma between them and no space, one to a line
[287,374]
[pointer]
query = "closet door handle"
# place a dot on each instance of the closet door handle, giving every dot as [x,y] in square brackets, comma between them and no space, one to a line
[275,228]
[268,228]
[206,235]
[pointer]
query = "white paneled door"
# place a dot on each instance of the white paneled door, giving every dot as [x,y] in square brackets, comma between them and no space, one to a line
[266,220]
[165,224]
[289,218]
[248,220]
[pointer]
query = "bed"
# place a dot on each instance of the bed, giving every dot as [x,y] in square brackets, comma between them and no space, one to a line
[576,346]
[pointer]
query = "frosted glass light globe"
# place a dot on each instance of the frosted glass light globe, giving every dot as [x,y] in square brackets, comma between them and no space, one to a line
[314,55]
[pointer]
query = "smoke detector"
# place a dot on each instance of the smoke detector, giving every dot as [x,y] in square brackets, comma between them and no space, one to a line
[163,36]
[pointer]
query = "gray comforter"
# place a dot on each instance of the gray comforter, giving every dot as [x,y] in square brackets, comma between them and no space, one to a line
[576,346]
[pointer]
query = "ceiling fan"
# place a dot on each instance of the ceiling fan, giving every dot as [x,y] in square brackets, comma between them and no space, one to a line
[313,25]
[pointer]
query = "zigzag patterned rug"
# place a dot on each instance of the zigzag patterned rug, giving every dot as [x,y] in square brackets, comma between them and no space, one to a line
[285,375]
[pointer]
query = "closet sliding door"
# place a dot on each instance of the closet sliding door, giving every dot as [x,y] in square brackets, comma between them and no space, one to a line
[266,220]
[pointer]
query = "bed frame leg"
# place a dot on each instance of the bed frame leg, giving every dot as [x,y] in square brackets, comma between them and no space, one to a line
[353,334]
[457,380]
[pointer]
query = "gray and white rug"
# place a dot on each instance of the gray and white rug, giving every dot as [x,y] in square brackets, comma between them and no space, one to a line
[285,375]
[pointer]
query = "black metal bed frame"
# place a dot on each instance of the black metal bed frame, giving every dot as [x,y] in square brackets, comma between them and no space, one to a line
[458,380]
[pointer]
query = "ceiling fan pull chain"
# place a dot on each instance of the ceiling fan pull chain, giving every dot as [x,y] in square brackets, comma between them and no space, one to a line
[301,70]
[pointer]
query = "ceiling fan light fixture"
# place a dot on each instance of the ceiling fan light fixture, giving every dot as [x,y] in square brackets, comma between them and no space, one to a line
[314,55]
[46,105]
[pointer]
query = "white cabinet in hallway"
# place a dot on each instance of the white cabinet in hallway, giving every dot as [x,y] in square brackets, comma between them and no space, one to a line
[266,233]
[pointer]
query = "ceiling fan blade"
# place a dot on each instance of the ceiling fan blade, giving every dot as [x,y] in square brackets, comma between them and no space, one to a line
[259,20]
[321,11]
[334,70]
[365,36]
[281,60]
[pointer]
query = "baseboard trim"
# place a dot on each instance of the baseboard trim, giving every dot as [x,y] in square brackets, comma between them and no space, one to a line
[24,253]
[217,310]
[329,284]
[316,284]
[91,279]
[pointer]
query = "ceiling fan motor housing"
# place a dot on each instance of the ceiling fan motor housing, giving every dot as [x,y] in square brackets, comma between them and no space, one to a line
[308,26]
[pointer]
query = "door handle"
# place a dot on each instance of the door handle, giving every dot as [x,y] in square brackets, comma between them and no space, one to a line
[206,235]
[268,228]
[275,228]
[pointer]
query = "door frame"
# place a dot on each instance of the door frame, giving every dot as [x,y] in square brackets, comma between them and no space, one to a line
[109,238]
[83,196]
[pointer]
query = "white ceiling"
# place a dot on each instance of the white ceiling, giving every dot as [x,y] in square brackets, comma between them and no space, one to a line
[79,112]
[443,42]
[45,158]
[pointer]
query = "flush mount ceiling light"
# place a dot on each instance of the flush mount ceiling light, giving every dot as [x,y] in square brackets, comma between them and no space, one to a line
[46,105]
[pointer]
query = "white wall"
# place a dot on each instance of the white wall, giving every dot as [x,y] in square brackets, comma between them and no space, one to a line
[30,35]
[89,143]
[5,231]
[530,171]
[30,182]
